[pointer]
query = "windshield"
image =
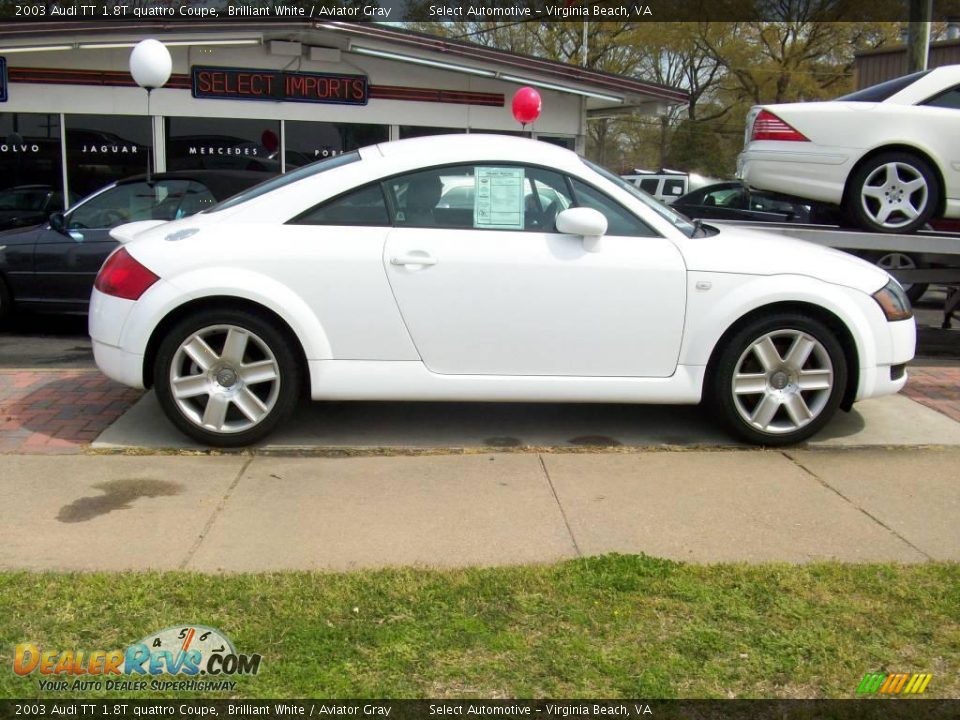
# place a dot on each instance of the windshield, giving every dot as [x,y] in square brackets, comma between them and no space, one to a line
[676,219]
[286,179]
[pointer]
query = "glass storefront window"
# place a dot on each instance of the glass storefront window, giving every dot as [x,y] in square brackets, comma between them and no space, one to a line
[105,148]
[30,156]
[565,142]
[307,141]
[413,131]
[223,143]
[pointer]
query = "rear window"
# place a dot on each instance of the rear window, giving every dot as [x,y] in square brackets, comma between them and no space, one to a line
[291,177]
[673,187]
[879,93]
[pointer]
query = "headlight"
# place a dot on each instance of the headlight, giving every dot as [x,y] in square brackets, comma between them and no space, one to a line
[894,302]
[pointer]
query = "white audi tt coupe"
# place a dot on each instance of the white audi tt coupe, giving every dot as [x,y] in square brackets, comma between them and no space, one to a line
[889,154]
[491,268]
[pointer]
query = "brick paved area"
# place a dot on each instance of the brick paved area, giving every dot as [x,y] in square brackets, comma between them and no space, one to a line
[57,411]
[936,387]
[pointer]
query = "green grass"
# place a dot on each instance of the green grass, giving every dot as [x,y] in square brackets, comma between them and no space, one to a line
[614,626]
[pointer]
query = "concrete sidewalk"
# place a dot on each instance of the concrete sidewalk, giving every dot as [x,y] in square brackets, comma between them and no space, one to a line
[237,513]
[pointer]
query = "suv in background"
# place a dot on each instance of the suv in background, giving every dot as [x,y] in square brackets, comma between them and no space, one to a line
[667,185]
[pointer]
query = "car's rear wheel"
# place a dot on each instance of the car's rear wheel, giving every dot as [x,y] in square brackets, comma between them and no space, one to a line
[226,377]
[893,192]
[779,380]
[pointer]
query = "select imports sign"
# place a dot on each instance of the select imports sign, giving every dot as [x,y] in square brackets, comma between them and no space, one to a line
[277,85]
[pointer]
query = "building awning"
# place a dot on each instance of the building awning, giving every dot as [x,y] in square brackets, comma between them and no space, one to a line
[602,91]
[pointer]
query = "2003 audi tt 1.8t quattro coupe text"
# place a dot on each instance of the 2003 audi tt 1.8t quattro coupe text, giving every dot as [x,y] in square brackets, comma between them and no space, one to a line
[486,268]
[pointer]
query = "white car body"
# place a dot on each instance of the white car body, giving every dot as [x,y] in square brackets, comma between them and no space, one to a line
[843,134]
[499,315]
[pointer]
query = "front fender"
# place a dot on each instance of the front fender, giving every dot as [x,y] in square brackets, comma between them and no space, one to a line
[712,311]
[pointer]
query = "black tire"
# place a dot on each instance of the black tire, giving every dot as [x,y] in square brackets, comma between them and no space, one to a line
[263,339]
[783,329]
[865,211]
[896,260]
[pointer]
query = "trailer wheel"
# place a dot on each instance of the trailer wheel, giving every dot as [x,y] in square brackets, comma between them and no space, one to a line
[891,261]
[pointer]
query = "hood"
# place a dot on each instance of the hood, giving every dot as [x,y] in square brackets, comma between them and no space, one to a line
[755,252]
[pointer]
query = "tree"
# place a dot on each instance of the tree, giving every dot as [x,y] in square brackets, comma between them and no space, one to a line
[797,60]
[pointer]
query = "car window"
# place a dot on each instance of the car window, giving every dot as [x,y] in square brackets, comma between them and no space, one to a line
[730,197]
[131,202]
[650,185]
[32,199]
[481,196]
[457,197]
[673,188]
[884,90]
[949,99]
[620,221]
[357,207]
[765,203]
[679,221]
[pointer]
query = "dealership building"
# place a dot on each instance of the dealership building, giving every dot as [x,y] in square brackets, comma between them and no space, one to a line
[268,95]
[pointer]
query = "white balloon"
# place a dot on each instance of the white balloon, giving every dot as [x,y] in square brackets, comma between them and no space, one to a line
[150,64]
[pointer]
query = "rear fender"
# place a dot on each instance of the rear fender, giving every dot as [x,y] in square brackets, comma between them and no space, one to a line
[225,283]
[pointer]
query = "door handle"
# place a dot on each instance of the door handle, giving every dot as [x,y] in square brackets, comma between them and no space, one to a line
[413,260]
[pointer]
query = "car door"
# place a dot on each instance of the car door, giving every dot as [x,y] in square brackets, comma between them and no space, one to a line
[495,289]
[66,263]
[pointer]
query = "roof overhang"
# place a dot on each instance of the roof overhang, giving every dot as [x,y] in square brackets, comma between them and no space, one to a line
[601,91]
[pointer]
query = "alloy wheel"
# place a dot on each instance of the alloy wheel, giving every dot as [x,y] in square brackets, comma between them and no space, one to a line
[782,381]
[225,379]
[893,261]
[894,194]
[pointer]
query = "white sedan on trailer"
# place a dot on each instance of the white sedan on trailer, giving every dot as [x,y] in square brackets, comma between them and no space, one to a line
[549,279]
[889,154]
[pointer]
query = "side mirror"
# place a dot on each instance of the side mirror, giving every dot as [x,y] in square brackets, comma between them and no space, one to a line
[590,224]
[58,222]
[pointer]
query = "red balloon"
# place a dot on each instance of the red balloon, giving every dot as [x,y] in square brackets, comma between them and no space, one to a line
[270,141]
[526,105]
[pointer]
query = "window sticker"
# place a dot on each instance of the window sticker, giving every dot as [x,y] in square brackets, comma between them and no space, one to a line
[499,203]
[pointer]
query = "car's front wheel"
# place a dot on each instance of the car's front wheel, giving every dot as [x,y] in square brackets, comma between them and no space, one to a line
[226,377]
[778,380]
[893,192]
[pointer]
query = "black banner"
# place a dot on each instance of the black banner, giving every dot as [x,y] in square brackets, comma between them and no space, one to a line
[247,84]
[166,11]
[878,709]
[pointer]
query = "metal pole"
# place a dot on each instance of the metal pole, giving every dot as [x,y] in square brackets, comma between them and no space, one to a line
[152,136]
[583,45]
[918,35]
